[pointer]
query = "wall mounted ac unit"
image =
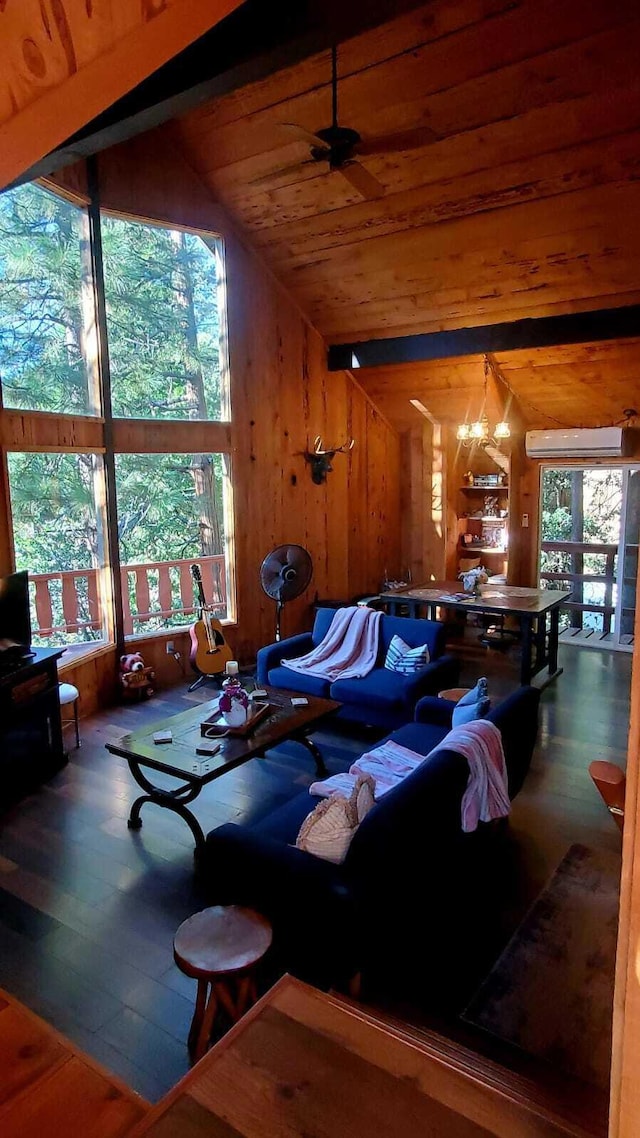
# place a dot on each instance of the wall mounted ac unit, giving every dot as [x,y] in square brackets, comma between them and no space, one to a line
[575,442]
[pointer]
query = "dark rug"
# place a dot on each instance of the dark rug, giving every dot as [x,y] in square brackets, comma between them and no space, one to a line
[551,991]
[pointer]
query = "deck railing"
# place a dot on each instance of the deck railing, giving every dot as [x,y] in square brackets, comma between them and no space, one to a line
[67,603]
[576,578]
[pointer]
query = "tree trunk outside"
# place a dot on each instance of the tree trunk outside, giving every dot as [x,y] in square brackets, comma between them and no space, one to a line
[202,470]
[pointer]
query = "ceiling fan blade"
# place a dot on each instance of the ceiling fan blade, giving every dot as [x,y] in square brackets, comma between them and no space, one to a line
[402,140]
[361,180]
[306,135]
[282,171]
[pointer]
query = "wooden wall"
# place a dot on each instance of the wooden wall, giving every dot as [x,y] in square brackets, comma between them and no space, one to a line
[282,397]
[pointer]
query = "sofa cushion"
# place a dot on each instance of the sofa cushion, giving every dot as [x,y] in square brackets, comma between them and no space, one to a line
[298,681]
[420,737]
[468,712]
[401,658]
[381,687]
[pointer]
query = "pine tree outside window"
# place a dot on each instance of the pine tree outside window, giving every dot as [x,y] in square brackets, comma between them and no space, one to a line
[166,349]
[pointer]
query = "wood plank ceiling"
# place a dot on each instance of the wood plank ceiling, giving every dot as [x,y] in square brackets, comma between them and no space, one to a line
[527,202]
[577,385]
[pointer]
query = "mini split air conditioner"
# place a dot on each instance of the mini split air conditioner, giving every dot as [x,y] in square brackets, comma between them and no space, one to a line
[575,442]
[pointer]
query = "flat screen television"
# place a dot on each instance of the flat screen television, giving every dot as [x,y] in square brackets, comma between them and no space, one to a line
[15,617]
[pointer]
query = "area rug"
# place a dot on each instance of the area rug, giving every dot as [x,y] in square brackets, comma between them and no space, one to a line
[551,991]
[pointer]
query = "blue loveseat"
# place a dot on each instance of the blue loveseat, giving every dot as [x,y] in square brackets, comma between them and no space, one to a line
[413,889]
[383,698]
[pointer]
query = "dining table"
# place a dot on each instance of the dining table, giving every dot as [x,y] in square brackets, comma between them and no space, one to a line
[537,612]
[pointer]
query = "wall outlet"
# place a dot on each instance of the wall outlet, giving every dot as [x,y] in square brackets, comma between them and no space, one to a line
[169,648]
[525,521]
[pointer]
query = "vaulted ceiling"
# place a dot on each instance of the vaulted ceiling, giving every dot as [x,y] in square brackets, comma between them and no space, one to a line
[525,201]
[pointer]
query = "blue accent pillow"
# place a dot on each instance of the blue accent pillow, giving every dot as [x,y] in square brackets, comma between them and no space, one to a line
[474,705]
[401,658]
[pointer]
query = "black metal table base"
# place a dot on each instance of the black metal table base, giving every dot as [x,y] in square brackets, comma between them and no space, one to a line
[176,800]
[321,769]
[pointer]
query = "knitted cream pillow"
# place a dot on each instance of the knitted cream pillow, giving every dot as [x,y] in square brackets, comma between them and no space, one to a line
[328,830]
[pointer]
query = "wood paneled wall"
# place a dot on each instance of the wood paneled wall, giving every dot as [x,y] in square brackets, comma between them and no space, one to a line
[282,397]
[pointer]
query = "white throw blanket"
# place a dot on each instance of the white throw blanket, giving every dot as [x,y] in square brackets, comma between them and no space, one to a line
[387,764]
[487,792]
[349,649]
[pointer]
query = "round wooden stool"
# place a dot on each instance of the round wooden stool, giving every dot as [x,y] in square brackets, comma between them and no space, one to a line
[219,948]
[453,693]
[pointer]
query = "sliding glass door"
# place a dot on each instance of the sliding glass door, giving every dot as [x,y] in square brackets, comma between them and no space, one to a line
[589,522]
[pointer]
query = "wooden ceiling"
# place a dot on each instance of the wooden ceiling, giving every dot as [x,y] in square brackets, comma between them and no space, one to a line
[579,385]
[63,61]
[527,204]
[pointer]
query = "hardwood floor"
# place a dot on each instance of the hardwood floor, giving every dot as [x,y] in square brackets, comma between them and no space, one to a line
[88,908]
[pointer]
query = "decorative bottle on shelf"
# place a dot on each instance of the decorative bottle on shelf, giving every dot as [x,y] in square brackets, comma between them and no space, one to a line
[234,701]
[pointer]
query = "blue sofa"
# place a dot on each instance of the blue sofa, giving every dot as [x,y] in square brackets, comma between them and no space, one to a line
[409,868]
[383,698]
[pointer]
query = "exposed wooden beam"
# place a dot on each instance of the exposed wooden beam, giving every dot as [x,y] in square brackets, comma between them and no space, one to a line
[252,43]
[573,328]
[69,98]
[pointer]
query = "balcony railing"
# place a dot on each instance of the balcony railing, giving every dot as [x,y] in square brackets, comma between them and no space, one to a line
[153,593]
[575,578]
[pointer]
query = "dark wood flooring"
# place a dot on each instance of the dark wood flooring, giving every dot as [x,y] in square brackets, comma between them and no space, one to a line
[88,908]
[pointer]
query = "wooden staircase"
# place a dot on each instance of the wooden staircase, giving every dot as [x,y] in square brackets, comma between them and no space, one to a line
[540,1101]
[49,1089]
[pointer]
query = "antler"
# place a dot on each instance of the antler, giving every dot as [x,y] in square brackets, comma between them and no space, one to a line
[318,447]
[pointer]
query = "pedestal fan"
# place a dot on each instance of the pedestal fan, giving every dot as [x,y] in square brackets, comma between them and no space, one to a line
[284,575]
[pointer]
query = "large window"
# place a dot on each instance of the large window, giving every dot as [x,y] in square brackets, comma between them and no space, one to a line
[165,344]
[47,326]
[58,537]
[170,515]
[163,290]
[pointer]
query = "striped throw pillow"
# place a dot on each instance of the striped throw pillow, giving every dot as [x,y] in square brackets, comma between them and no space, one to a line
[401,658]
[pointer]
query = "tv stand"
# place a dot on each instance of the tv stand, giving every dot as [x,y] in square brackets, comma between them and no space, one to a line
[31,747]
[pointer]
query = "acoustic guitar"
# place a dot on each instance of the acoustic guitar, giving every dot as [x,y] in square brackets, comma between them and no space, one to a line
[209,649]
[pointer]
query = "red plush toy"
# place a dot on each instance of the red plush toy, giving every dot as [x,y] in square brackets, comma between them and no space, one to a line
[136,679]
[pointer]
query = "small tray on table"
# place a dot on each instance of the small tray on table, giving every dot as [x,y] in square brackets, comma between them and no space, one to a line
[215,724]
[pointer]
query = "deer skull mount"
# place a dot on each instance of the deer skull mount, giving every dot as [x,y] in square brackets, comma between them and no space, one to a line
[320,459]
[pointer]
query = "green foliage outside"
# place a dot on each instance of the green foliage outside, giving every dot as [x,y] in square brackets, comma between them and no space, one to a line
[163,324]
[598,492]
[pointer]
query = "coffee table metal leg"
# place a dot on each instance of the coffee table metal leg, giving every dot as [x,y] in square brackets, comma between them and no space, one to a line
[174,800]
[313,750]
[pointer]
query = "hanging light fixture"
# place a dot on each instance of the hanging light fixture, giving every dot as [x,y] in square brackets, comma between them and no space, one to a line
[479,433]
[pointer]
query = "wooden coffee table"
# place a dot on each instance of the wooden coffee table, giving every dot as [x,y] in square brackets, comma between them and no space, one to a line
[284,723]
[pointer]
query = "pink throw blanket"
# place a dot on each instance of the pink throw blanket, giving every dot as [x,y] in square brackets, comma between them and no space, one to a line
[349,649]
[486,796]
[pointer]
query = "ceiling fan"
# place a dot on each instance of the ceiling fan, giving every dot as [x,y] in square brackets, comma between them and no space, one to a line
[341,146]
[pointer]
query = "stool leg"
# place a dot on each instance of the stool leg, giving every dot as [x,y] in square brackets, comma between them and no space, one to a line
[225,997]
[247,994]
[198,1015]
[206,1027]
[75,720]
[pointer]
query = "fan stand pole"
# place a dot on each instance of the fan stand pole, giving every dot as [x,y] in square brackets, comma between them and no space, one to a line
[279,608]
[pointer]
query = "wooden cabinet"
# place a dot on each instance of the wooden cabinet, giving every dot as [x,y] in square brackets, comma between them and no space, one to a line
[31,748]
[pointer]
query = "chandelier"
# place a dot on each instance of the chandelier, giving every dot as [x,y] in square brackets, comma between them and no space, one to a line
[479,432]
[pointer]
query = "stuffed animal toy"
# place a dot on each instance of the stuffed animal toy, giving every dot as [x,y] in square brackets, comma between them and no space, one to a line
[136,679]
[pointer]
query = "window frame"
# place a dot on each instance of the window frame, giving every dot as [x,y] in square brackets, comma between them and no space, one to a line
[107,435]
